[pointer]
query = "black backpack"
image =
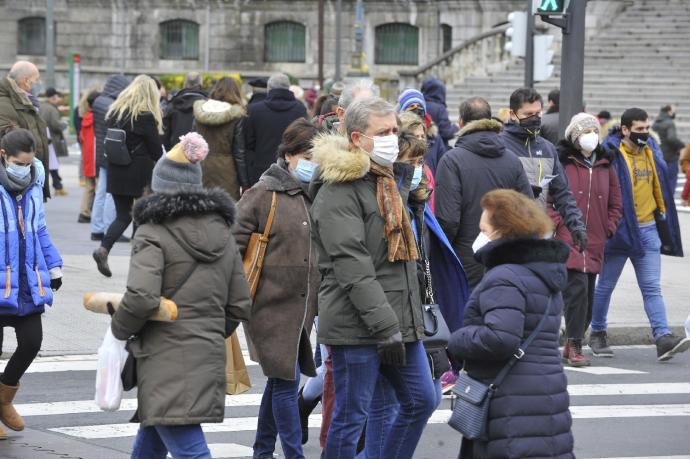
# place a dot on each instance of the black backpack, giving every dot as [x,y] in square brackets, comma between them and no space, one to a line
[116,151]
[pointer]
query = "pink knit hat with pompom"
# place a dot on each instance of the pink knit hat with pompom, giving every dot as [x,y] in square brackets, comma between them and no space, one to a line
[179,171]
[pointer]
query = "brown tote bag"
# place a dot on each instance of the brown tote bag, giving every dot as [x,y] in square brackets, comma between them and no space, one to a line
[235,369]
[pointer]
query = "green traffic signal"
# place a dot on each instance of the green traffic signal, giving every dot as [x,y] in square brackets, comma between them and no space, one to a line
[552,7]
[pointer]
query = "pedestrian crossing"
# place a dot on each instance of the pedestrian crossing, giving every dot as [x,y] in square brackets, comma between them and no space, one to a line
[679,189]
[626,393]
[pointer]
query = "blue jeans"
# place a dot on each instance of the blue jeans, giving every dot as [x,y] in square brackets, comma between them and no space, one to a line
[356,372]
[103,211]
[279,415]
[183,442]
[648,273]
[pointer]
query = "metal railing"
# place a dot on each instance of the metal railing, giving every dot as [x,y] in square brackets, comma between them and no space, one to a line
[478,55]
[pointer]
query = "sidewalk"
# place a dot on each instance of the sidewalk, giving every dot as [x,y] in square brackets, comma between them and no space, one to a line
[70,329]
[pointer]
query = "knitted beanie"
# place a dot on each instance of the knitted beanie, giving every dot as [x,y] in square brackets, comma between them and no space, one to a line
[411,96]
[179,171]
[579,124]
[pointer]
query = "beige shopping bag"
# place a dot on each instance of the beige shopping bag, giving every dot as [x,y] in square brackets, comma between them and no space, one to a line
[237,378]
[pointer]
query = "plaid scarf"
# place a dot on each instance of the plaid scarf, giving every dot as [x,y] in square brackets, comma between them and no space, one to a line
[397,227]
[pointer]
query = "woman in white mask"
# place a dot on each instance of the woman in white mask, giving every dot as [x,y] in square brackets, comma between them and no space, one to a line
[594,184]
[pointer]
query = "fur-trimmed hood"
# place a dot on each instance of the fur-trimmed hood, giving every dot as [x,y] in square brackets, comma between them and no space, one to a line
[215,112]
[481,125]
[545,257]
[338,161]
[481,137]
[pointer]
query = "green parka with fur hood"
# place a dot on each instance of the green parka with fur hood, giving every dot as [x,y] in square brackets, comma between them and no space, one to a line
[363,298]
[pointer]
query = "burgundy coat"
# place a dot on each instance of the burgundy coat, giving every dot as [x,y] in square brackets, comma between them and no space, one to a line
[598,195]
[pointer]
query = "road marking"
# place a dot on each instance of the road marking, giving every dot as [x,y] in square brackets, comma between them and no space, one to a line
[130,404]
[685,456]
[439,417]
[228,450]
[600,371]
[628,389]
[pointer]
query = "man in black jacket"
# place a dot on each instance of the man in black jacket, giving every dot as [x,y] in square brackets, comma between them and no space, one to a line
[478,164]
[103,211]
[266,122]
[179,114]
[671,145]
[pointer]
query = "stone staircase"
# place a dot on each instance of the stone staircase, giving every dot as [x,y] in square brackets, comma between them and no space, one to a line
[642,58]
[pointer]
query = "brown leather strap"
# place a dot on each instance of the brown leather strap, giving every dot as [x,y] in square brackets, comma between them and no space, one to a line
[271,215]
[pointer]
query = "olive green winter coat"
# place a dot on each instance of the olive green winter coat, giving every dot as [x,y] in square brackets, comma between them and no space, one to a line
[181,364]
[16,110]
[363,298]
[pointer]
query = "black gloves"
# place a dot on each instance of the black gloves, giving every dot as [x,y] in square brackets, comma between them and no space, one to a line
[56,283]
[392,350]
[110,308]
[230,327]
[580,240]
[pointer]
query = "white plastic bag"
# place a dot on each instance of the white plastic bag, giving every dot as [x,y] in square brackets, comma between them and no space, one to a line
[111,359]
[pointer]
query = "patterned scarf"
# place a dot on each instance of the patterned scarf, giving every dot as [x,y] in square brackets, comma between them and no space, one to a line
[397,227]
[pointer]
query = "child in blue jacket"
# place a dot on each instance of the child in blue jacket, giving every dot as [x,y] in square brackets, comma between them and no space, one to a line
[32,265]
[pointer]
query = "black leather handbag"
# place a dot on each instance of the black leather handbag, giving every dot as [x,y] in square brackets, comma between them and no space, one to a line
[115,146]
[473,398]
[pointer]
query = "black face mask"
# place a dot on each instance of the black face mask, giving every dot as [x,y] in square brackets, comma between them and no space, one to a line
[639,138]
[419,112]
[673,116]
[531,124]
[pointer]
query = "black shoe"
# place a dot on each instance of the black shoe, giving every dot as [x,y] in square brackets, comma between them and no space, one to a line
[97,236]
[83,219]
[123,239]
[101,257]
[305,409]
[668,345]
[599,344]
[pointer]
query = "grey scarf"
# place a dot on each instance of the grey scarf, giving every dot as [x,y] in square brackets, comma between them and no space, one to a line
[14,185]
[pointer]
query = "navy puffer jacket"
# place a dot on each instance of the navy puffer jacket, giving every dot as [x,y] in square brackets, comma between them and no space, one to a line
[529,415]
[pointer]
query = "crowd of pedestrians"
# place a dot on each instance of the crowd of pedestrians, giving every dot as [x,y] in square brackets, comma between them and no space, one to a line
[376,217]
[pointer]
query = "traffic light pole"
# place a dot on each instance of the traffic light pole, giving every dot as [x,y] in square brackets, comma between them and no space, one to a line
[572,61]
[529,47]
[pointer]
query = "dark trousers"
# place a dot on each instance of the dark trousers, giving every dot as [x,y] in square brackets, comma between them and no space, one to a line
[56,179]
[578,297]
[123,217]
[29,331]
[673,174]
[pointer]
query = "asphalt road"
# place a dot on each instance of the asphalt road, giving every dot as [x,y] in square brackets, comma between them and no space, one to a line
[628,406]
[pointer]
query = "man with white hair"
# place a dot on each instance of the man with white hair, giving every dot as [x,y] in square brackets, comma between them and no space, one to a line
[370,310]
[266,121]
[19,108]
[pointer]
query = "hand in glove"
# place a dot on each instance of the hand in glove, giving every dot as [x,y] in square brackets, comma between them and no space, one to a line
[56,283]
[392,350]
[580,240]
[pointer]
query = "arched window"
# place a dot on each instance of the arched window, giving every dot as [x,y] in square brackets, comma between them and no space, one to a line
[397,44]
[284,41]
[447,39]
[179,40]
[31,36]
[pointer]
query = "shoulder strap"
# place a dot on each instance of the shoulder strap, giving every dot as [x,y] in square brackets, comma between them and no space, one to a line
[521,350]
[271,216]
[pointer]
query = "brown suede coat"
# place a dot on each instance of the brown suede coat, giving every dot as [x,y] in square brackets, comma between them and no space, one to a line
[286,298]
[218,129]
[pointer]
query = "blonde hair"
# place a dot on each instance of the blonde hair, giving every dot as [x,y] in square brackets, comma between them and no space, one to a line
[141,96]
[516,216]
[84,102]
[409,121]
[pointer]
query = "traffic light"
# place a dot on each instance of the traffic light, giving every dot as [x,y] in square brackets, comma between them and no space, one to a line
[543,55]
[552,7]
[516,33]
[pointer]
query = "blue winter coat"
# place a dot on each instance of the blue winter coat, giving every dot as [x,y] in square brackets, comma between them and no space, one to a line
[626,241]
[436,149]
[435,96]
[25,281]
[529,414]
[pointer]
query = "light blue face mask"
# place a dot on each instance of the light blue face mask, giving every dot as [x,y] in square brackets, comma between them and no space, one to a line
[18,172]
[305,170]
[416,177]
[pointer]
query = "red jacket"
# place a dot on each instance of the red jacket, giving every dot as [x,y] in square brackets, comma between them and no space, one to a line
[598,195]
[87,138]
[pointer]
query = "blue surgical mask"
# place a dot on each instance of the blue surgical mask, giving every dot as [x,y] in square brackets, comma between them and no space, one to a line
[305,170]
[18,172]
[416,177]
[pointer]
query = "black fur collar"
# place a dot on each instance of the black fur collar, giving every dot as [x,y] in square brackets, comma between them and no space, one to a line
[523,251]
[567,151]
[158,207]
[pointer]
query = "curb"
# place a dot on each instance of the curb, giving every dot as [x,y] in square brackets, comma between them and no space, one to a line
[628,336]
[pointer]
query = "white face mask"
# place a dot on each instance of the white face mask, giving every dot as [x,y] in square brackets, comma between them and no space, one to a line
[589,142]
[481,241]
[385,149]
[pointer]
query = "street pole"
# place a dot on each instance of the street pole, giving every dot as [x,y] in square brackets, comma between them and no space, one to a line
[207,38]
[572,64]
[321,44]
[529,47]
[338,39]
[50,44]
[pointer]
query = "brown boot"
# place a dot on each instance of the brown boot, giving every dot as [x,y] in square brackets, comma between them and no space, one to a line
[8,415]
[3,434]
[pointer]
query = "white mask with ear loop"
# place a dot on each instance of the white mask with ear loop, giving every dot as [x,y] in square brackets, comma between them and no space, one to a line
[481,240]
[589,141]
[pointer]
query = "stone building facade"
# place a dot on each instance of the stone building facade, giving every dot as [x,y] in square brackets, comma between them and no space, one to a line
[252,37]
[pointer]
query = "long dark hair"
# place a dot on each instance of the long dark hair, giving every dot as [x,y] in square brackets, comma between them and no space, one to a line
[227,90]
[17,140]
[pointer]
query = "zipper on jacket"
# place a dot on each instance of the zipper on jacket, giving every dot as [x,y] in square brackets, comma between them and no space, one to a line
[8,268]
[20,216]
[589,200]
